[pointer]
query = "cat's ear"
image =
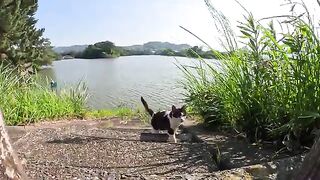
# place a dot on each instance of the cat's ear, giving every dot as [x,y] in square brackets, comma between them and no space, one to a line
[174,108]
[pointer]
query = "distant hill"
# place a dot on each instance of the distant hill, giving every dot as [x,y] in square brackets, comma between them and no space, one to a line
[107,49]
[156,46]
[149,46]
[67,49]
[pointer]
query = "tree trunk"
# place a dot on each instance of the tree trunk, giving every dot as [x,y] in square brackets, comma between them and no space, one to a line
[310,168]
[10,165]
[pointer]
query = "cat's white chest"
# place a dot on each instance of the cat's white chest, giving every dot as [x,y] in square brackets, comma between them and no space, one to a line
[174,123]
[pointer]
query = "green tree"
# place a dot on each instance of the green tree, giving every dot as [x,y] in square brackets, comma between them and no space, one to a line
[103,49]
[166,52]
[92,52]
[105,46]
[22,43]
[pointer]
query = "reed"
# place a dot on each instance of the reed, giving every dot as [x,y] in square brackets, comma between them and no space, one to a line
[269,89]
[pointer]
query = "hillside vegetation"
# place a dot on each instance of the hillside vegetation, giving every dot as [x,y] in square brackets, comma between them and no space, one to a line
[107,49]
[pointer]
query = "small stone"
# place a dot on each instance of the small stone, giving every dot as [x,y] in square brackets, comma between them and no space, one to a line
[123,176]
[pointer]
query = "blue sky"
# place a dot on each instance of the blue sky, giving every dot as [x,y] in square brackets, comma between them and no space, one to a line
[127,22]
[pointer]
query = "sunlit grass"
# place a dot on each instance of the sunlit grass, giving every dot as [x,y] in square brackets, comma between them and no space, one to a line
[25,101]
[122,112]
[119,112]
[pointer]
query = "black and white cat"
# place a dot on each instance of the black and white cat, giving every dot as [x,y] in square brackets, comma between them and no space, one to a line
[166,120]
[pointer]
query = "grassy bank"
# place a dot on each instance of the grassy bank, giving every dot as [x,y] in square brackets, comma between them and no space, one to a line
[121,112]
[269,88]
[24,101]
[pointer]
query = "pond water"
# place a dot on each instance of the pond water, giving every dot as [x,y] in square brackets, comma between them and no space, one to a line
[121,81]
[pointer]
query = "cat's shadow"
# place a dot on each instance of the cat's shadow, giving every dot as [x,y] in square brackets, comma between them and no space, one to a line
[83,139]
[151,137]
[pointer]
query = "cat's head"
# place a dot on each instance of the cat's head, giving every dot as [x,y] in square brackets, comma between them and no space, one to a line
[178,113]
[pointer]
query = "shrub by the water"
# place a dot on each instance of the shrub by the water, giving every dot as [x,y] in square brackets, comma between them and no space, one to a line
[270,88]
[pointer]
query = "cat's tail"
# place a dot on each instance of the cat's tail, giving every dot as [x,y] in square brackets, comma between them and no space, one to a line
[146,106]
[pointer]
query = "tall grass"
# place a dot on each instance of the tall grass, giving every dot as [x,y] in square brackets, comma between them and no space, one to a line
[25,101]
[269,89]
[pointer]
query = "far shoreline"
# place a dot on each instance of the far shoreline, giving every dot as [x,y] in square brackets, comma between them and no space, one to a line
[132,56]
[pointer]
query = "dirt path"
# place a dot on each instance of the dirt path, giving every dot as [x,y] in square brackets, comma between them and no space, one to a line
[93,149]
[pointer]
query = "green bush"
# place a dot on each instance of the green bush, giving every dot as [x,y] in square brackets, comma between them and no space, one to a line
[269,89]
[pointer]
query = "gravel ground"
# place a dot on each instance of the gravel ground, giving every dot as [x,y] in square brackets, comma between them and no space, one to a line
[112,149]
[92,152]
